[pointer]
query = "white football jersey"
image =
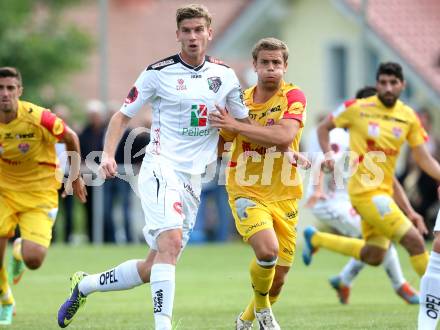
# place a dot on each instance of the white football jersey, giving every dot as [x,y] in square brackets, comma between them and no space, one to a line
[182,97]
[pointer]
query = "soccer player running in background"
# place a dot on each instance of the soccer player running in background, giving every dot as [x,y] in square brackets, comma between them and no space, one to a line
[29,181]
[378,126]
[182,89]
[265,206]
[331,205]
[429,308]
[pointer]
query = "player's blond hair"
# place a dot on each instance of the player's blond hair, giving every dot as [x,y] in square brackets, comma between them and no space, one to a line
[193,11]
[270,44]
[9,71]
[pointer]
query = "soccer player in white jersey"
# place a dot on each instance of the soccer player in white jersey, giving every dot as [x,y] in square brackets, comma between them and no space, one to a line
[183,89]
[429,309]
[331,205]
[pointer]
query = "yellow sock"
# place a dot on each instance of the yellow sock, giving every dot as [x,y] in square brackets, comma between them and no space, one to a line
[6,297]
[344,245]
[249,314]
[262,279]
[16,249]
[419,262]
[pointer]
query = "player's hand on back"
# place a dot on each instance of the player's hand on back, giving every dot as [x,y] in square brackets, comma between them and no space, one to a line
[108,167]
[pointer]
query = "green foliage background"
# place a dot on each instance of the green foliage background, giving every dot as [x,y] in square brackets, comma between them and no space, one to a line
[35,39]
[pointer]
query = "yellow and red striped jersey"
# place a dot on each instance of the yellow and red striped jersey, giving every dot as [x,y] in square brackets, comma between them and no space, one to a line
[28,160]
[376,136]
[260,172]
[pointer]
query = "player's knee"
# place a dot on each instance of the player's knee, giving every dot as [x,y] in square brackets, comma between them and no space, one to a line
[33,262]
[268,253]
[372,256]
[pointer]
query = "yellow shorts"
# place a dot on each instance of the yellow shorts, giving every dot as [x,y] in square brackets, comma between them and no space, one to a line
[382,220]
[252,216]
[34,212]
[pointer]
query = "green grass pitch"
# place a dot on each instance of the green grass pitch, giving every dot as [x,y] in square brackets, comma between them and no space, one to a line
[212,288]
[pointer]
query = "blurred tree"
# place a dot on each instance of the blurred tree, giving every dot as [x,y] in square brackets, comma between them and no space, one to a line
[35,39]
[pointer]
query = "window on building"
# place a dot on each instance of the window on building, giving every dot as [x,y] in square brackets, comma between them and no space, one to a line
[338,72]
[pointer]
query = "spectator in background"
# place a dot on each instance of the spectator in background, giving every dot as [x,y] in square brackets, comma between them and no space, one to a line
[213,227]
[118,188]
[92,139]
[422,188]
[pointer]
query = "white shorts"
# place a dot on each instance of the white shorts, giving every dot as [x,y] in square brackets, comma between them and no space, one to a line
[339,214]
[170,200]
[437,223]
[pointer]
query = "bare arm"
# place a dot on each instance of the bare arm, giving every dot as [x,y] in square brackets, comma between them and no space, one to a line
[426,162]
[116,127]
[318,190]
[402,201]
[323,130]
[75,181]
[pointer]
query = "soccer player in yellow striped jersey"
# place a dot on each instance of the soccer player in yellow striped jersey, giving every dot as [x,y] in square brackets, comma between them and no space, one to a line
[262,184]
[28,180]
[378,127]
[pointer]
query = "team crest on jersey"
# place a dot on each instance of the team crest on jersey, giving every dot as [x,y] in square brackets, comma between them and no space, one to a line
[132,95]
[373,129]
[270,122]
[199,115]
[24,147]
[397,132]
[180,85]
[214,83]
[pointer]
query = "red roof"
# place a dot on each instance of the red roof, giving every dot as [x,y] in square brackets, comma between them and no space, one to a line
[411,28]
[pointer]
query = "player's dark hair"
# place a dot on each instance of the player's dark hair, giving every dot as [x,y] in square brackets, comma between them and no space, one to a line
[193,11]
[391,69]
[366,91]
[270,44]
[10,72]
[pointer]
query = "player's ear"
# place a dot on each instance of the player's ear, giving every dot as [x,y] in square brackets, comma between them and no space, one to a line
[285,66]
[209,34]
[255,65]
[20,91]
[177,35]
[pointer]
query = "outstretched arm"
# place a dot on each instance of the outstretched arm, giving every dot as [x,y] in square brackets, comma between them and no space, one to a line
[116,127]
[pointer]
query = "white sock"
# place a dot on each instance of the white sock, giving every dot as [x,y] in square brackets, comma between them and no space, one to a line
[392,267]
[429,308]
[122,277]
[350,271]
[162,280]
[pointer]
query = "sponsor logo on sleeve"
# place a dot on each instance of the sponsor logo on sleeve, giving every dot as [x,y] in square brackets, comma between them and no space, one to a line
[132,95]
